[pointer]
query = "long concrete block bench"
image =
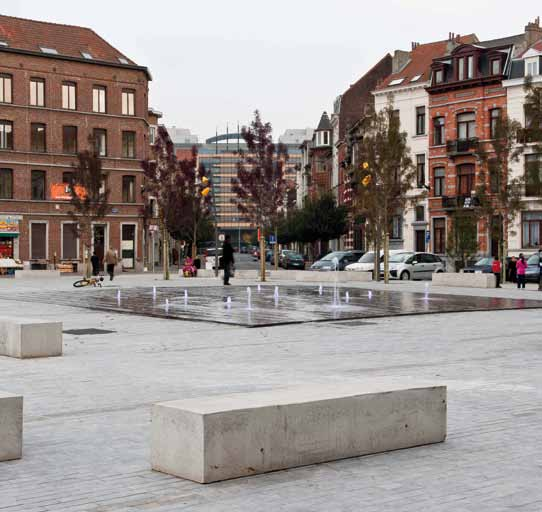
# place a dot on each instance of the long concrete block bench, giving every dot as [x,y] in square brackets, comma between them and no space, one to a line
[26,338]
[36,273]
[464,279]
[222,437]
[312,276]
[11,426]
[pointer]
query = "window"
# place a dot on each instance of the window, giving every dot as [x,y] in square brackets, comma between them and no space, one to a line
[531,66]
[439,175]
[465,180]
[67,177]
[420,213]
[461,68]
[99,99]
[87,55]
[396,227]
[6,84]
[37,92]
[122,60]
[420,170]
[496,67]
[128,103]
[37,138]
[415,78]
[466,126]
[494,116]
[100,141]
[38,241]
[326,138]
[439,76]
[6,184]
[69,241]
[128,144]
[533,175]
[439,137]
[494,175]
[69,95]
[470,66]
[51,51]
[128,189]
[152,134]
[6,135]
[439,236]
[38,186]
[69,139]
[531,229]
[420,120]
[397,81]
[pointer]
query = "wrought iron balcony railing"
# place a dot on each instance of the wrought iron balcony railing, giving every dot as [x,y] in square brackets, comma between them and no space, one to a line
[462,146]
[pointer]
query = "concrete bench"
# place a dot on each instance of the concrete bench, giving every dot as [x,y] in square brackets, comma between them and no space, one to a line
[218,438]
[312,276]
[464,279]
[36,273]
[26,338]
[11,426]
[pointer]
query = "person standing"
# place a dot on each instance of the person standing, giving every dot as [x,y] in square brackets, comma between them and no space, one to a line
[496,269]
[95,262]
[512,269]
[521,266]
[227,259]
[110,260]
[540,270]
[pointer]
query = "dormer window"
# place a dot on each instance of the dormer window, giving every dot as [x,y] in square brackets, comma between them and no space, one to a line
[3,43]
[465,67]
[439,76]
[122,60]
[470,66]
[86,55]
[496,66]
[531,66]
[461,68]
[50,51]
[397,81]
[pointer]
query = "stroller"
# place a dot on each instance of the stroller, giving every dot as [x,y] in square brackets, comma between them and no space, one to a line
[189,269]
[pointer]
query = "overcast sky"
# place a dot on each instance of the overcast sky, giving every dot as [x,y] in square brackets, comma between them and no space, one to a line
[216,61]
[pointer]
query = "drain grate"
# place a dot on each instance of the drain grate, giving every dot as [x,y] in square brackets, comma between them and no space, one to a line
[87,331]
[353,323]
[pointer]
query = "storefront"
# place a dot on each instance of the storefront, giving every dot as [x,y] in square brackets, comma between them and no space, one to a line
[9,236]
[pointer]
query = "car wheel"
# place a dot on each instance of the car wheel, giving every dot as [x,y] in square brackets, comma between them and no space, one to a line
[405,276]
[439,271]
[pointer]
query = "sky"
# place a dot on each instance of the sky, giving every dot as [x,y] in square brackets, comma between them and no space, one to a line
[214,62]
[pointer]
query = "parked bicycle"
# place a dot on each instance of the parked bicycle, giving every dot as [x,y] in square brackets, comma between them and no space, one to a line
[89,281]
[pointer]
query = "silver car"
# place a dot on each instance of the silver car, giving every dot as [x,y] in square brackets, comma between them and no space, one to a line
[413,265]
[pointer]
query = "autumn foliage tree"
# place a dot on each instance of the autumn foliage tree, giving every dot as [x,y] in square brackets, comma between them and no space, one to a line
[260,185]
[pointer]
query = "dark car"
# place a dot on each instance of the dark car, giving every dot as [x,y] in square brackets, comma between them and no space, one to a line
[482,265]
[342,258]
[291,259]
[532,272]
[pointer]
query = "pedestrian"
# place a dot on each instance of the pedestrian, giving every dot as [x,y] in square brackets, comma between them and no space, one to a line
[496,269]
[540,270]
[227,259]
[95,262]
[521,266]
[512,269]
[110,260]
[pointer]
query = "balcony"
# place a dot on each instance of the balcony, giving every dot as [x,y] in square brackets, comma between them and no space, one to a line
[527,135]
[459,202]
[461,147]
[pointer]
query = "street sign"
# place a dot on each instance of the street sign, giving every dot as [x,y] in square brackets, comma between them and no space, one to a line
[221,237]
[272,239]
[427,236]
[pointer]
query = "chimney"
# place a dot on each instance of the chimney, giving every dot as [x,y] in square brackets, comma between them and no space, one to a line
[400,58]
[533,32]
[457,38]
[414,45]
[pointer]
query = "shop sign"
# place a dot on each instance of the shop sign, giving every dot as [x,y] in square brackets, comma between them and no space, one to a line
[62,192]
[9,224]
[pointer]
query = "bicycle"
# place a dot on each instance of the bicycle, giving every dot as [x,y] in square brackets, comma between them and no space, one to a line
[88,281]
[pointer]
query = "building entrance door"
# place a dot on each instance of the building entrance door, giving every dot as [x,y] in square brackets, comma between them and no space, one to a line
[419,240]
[128,245]
[98,243]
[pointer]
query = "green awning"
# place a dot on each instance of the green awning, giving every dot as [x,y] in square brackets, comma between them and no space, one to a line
[9,235]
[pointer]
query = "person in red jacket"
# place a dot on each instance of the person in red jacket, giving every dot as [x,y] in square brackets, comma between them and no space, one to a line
[496,269]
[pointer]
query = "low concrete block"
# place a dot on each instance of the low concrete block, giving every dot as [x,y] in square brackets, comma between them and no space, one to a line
[11,426]
[312,276]
[36,273]
[26,338]
[464,279]
[218,438]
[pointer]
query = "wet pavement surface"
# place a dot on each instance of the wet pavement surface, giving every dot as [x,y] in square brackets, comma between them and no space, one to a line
[293,304]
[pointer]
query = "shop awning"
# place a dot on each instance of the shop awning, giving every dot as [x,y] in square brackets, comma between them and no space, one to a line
[9,235]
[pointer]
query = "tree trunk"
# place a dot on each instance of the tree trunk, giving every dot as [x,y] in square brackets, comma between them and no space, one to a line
[386,257]
[276,251]
[165,253]
[262,255]
[195,241]
[376,265]
[87,243]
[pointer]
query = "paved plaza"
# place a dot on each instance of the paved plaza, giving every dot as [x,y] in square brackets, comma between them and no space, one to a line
[87,413]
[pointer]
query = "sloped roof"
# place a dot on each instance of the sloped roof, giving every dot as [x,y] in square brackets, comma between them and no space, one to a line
[325,123]
[420,61]
[67,40]
[536,46]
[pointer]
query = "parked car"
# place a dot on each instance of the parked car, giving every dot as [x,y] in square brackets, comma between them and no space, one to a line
[292,259]
[344,258]
[282,254]
[532,272]
[366,262]
[413,265]
[483,265]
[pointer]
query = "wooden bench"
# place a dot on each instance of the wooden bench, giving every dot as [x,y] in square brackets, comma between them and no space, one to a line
[11,426]
[222,437]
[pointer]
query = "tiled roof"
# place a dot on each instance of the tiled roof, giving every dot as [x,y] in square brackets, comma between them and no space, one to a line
[324,124]
[536,46]
[67,40]
[419,65]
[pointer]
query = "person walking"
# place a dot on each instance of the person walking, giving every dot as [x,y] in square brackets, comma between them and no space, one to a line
[540,270]
[496,269]
[110,260]
[512,269]
[521,266]
[227,259]
[95,262]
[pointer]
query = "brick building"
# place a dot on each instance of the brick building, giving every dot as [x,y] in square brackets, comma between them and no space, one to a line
[59,86]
